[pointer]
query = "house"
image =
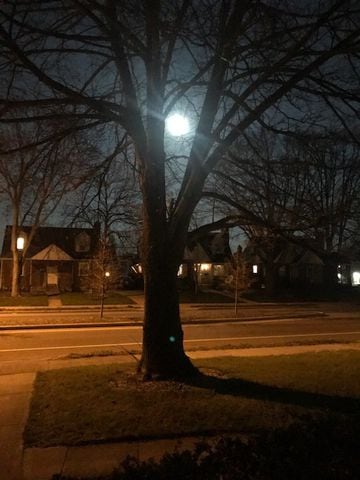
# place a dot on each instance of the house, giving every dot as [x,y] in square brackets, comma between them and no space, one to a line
[355,273]
[348,268]
[287,264]
[297,265]
[56,259]
[207,260]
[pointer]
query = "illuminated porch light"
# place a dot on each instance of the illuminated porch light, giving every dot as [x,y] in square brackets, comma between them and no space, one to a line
[20,242]
[255,269]
[107,274]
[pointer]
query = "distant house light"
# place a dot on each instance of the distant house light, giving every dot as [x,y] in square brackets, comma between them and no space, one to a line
[137,268]
[180,271]
[205,267]
[255,269]
[356,278]
[20,242]
[107,274]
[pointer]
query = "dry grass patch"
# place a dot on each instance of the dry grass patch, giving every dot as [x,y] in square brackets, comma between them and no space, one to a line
[23,301]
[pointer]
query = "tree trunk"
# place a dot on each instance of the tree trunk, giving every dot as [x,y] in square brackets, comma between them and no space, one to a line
[163,352]
[330,273]
[15,279]
[270,278]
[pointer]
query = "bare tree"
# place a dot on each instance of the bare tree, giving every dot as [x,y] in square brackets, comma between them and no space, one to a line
[333,166]
[261,190]
[127,65]
[332,191]
[303,189]
[34,180]
[104,269]
[110,197]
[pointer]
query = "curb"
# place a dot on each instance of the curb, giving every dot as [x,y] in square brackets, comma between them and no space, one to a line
[138,323]
[136,306]
[66,308]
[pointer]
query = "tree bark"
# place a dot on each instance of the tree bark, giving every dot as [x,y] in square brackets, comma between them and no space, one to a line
[330,273]
[15,277]
[16,272]
[163,353]
[270,278]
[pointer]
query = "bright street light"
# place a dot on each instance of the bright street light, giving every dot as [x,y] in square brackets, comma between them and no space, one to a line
[177,125]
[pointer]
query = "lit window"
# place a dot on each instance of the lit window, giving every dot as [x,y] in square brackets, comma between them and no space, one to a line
[255,269]
[205,267]
[356,278]
[20,242]
[137,268]
[180,271]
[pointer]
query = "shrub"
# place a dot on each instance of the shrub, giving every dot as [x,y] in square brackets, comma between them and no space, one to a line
[302,452]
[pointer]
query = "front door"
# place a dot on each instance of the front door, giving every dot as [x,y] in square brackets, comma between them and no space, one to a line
[52,275]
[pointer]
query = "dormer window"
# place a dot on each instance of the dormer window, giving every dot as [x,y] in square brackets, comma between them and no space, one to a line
[20,243]
[82,242]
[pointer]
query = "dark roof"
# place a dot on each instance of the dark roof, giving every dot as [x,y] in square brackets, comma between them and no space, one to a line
[63,238]
[215,245]
[284,252]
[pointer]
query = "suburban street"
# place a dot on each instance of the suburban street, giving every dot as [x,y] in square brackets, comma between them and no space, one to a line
[23,350]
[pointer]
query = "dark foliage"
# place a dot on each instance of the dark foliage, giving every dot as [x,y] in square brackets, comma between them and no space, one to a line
[303,452]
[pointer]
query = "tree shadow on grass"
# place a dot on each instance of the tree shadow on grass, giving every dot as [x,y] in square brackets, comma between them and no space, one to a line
[248,389]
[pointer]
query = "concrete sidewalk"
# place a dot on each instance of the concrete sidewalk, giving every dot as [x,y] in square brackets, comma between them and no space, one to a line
[42,463]
[54,301]
[15,394]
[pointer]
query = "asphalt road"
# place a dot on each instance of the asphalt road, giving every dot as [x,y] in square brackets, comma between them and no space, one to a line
[26,350]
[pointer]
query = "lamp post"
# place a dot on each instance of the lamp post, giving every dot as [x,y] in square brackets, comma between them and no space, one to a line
[20,243]
[103,289]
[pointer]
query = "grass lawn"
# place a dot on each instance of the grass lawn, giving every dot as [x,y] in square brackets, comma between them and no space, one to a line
[24,301]
[111,298]
[204,297]
[107,403]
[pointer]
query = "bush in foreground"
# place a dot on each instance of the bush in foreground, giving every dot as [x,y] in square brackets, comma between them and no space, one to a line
[319,452]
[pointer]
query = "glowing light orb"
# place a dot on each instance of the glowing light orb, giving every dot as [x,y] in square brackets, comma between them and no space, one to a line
[177,125]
